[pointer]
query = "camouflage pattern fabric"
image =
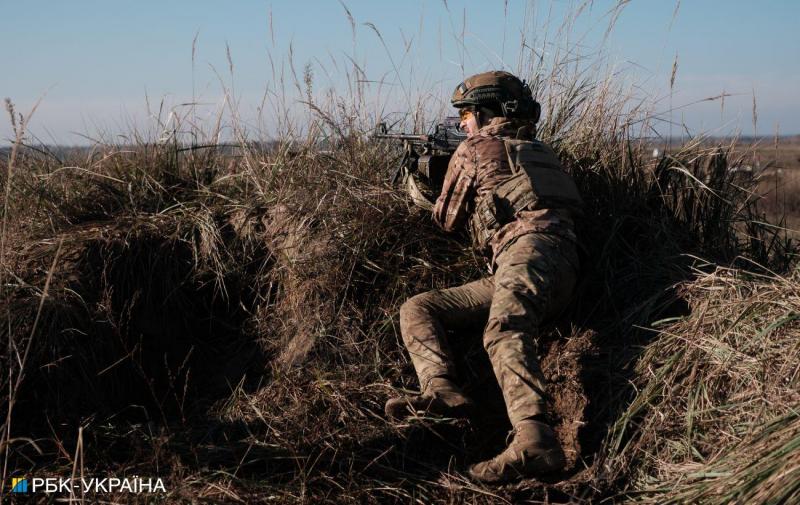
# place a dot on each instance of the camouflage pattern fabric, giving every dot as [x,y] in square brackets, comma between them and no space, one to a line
[534,263]
[533,280]
[479,164]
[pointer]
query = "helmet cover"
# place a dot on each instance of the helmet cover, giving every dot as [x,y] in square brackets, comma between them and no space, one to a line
[497,90]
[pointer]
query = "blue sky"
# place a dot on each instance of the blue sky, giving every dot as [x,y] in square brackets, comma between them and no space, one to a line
[98,60]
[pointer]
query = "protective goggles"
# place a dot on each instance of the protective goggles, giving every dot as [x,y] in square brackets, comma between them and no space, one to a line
[465,113]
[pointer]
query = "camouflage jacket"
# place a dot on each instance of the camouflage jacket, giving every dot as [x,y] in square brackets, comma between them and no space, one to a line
[477,166]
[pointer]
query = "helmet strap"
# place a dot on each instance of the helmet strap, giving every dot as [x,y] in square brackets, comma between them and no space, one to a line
[486,115]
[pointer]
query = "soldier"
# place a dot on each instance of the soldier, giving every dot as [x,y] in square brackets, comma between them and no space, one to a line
[519,205]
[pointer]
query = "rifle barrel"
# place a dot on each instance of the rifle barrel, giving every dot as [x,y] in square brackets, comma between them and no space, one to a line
[404,136]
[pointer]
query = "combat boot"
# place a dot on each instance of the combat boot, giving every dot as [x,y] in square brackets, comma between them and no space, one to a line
[441,398]
[535,451]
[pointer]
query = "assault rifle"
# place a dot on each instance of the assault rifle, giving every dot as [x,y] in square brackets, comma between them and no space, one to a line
[425,157]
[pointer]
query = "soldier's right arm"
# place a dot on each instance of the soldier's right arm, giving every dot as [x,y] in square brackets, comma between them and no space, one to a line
[451,209]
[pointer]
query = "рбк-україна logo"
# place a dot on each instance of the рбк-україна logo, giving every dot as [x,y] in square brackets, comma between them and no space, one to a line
[19,485]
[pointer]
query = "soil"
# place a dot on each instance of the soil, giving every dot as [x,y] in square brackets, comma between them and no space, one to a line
[562,367]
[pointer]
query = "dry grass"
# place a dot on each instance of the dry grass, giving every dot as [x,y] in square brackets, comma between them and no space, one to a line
[227,318]
[245,343]
[716,416]
[780,197]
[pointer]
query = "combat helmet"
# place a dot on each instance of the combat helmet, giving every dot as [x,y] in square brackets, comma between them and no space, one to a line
[500,91]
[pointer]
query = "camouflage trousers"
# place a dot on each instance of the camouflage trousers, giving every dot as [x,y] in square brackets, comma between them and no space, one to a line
[533,281]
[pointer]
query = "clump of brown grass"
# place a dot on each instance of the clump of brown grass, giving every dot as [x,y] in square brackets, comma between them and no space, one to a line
[715,417]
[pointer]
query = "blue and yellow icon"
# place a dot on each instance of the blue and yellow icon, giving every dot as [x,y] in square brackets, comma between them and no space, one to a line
[19,485]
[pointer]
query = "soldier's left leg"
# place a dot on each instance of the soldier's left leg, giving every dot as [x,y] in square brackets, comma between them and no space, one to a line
[423,321]
[533,281]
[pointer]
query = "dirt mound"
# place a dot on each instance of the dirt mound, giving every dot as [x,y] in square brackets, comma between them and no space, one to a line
[563,367]
[130,319]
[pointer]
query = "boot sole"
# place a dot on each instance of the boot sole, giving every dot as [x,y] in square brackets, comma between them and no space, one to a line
[549,463]
[403,410]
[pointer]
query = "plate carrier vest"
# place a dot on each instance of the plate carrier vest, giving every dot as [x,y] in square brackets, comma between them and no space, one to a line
[537,182]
